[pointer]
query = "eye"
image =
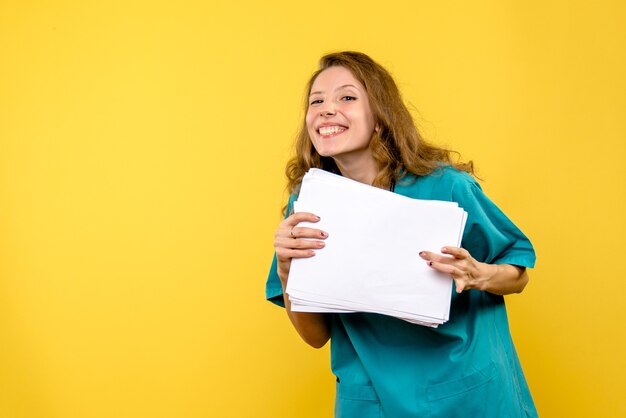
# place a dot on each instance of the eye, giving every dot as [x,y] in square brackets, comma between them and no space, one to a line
[316,101]
[348,98]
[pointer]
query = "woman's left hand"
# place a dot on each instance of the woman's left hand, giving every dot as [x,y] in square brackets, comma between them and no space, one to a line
[500,279]
[464,269]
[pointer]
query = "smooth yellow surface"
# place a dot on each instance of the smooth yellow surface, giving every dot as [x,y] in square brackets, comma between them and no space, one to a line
[142,149]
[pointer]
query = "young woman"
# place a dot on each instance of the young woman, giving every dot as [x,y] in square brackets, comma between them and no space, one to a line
[356,125]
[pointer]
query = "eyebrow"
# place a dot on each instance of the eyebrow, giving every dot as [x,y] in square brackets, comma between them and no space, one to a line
[338,88]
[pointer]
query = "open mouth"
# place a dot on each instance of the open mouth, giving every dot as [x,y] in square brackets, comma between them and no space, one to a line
[330,130]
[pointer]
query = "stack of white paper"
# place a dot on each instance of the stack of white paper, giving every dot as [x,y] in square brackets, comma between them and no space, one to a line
[371,260]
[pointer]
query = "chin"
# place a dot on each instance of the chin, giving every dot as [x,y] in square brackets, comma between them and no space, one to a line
[325,151]
[328,153]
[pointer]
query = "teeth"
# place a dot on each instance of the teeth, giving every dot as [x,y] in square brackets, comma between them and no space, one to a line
[329,130]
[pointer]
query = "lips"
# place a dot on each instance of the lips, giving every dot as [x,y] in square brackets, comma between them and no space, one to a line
[331,130]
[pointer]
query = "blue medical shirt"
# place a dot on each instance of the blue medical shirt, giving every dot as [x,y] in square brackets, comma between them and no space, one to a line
[467,367]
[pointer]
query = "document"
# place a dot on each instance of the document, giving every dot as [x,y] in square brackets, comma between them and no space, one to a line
[371,260]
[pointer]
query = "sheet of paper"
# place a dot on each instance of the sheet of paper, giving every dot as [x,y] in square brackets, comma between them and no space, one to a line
[371,259]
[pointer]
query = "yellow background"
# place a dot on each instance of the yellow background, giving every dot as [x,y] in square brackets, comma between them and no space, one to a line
[142,149]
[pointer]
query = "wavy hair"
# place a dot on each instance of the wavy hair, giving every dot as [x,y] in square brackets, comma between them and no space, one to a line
[397,146]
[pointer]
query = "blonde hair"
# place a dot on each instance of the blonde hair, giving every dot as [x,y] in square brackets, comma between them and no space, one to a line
[396,146]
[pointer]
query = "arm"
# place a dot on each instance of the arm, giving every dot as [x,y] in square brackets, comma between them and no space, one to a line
[288,242]
[501,279]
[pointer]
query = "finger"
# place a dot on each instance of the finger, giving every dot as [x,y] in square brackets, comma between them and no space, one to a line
[298,217]
[290,243]
[304,232]
[429,256]
[446,268]
[460,285]
[458,276]
[425,255]
[456,252]
[442,267]
[285,254]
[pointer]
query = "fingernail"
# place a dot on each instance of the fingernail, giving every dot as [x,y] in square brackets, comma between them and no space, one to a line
[443,250]
[317,217]
[324,234]
[430,263]
[422,253]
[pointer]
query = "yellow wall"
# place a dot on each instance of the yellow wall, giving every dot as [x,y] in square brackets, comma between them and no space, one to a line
[142,147]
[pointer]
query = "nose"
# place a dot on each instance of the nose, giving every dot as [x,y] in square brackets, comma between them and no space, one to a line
[328,110]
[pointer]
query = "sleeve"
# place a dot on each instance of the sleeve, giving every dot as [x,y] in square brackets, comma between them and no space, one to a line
[490,236]
[273,287]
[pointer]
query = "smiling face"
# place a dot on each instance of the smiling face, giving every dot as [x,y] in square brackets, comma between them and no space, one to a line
[339,120]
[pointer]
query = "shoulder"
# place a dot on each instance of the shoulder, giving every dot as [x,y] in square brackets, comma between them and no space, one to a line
[453,176]
[444,174]
[444,183]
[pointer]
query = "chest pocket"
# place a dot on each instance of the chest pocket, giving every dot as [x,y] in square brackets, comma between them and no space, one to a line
[357,401]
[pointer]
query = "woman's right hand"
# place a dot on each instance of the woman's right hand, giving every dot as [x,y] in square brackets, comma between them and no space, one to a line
[290,241]
[293,241]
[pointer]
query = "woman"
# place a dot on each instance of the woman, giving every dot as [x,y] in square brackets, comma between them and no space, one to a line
[356,125]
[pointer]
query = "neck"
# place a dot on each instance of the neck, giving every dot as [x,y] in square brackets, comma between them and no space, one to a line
[363,171]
